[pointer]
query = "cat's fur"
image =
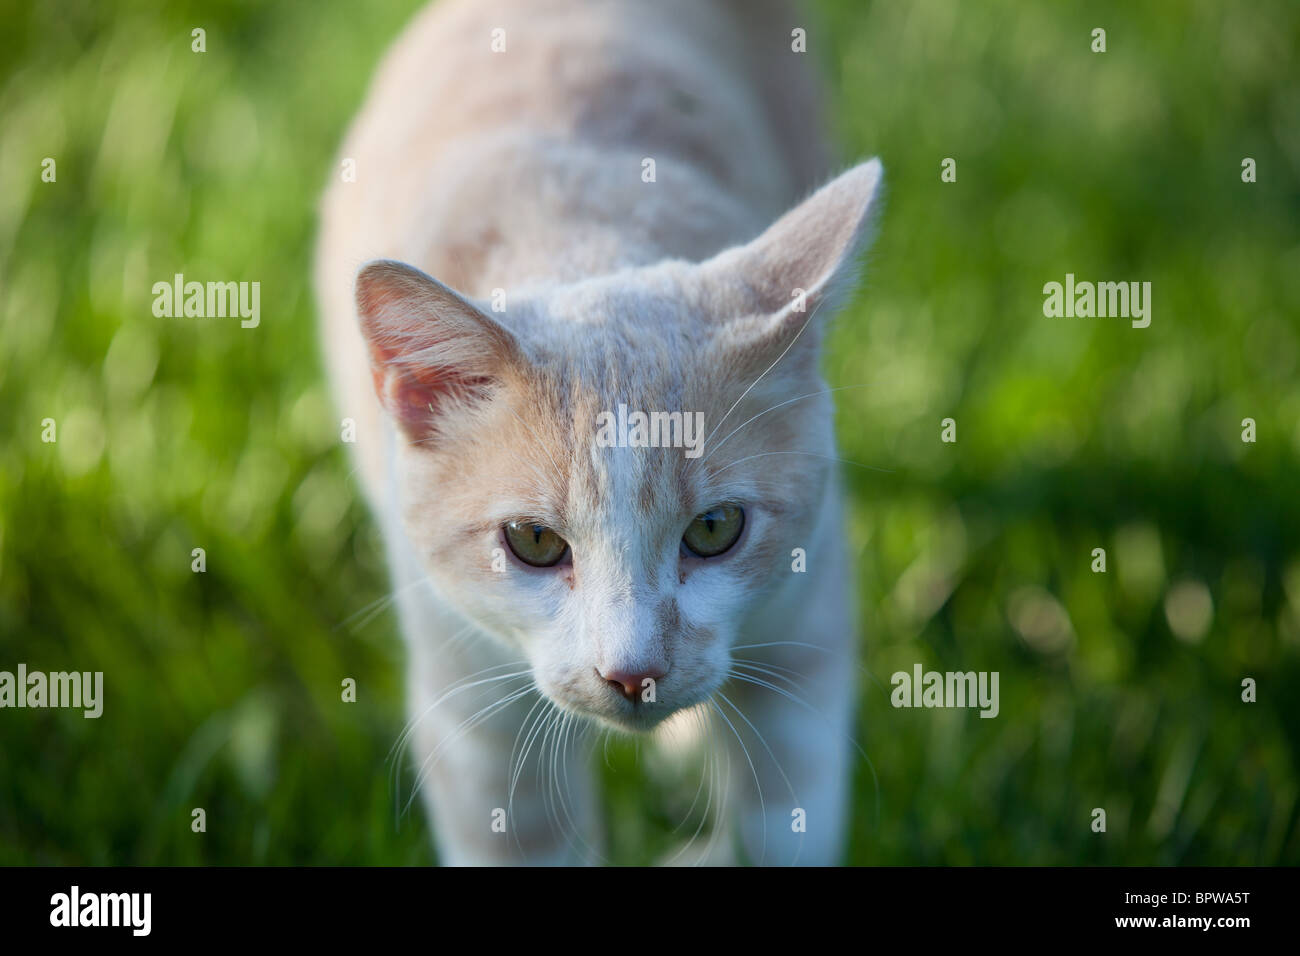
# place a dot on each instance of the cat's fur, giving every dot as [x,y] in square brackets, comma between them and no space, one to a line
[522,171]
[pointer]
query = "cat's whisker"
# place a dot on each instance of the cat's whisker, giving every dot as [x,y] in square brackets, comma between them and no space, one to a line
[588,853]
[542,736]
[775,762]
[706,776]
[465,683]
[742,667]
[752,679]
[475,719]
[515,752]
[455,642]
[570,829]
[517,769]
[775,671]
[758,785]
[396,751]
[458,687]
[463,728]
[803,703]
[698,790]
[790,401]
[548,741]
[789,345]
[376,606]
[543,763]
[744,670]
[788,672]
[562,788]
[553,788]
[807,454]
[825,650]
[705,787]
[815,647]
[712,816]
[724,785]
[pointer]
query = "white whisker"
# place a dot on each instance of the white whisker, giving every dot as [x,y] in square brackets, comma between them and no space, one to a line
[789,401]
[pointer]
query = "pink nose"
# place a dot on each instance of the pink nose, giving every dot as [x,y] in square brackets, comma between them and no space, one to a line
[631,683]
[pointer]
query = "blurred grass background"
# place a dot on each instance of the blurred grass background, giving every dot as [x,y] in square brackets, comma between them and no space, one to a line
[1119,690]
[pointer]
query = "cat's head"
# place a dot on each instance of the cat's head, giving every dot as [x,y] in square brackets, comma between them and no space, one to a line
[622,573]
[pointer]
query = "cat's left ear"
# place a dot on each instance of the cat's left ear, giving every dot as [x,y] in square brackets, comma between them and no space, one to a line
[432,351]
[803,265]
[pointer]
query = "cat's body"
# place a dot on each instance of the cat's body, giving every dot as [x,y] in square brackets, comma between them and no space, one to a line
[502,150]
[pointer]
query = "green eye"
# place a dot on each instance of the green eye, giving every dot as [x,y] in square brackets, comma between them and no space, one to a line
[714,531]
[535,544]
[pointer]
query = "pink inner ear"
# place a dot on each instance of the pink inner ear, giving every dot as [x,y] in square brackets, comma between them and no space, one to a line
[411,395]
[411,400]
[404,314]
[415,396]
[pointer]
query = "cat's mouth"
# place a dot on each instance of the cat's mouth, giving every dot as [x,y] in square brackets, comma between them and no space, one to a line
[636,721]
[633,717]
[630,702]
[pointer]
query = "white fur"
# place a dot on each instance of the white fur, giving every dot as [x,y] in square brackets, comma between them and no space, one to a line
[521,171]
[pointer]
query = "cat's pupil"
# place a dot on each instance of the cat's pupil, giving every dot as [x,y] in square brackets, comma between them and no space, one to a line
[713,532]
[546,548]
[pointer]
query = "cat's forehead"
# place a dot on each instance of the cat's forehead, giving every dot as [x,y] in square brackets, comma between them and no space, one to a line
[630,433]
[638,337]
[617,440]
[633,493]
[650,307]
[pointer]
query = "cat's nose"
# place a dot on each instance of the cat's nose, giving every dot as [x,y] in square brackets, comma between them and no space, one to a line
[631,683]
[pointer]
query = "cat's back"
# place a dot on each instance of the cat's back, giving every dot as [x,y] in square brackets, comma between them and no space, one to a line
[483,98]
[696,75]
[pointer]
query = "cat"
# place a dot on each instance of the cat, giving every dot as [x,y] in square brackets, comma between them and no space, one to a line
[560,207]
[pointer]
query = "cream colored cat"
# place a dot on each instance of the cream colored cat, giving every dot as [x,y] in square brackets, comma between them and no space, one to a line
[574,206]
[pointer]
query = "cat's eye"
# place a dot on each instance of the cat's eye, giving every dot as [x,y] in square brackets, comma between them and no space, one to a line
[714,532]
[535,544]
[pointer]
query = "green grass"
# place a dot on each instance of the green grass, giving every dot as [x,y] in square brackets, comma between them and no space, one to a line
[1073,434]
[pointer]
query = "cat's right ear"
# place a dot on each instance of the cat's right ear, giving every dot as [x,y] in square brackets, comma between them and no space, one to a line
[768,290]
[431,350]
